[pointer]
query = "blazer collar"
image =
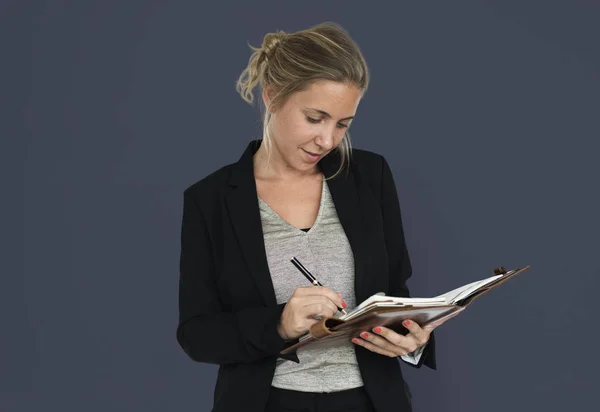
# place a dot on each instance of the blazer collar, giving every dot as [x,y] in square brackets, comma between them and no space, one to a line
[244,212]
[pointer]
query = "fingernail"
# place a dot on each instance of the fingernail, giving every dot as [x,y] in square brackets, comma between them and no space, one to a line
[407,322]
[377,330]
[354,340]
[344,304]
[364,335]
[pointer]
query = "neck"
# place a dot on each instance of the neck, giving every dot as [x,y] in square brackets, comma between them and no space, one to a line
[277,168]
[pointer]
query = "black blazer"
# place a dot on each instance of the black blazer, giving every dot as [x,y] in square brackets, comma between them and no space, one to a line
[228,312]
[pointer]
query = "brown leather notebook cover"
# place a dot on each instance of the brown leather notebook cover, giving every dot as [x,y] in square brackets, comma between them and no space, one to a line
[331,331]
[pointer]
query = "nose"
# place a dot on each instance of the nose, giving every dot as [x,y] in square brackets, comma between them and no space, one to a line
[327,138]
[326,143]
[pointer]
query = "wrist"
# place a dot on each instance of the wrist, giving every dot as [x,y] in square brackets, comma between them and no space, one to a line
[281,333]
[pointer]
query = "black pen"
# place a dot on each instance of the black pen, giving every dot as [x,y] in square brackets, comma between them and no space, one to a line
[310,277]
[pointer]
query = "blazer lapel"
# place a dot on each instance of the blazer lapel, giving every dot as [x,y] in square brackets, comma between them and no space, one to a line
[242,204]
[345,191]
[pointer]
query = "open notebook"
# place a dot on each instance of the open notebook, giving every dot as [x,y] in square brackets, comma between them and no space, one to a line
[390,311]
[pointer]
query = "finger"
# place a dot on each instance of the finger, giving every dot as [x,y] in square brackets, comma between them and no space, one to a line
[407,343]
[304,290]
[335,297]
[420,335]
[311,307]
[373,348]
[318,306]
[393,341]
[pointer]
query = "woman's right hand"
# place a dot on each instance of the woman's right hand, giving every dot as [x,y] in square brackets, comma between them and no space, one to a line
[306,304]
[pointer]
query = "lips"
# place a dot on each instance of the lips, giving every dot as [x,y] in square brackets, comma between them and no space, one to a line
[312,157]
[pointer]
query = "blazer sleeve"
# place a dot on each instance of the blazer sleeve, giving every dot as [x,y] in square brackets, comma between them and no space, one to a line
[400,269]
[205,331]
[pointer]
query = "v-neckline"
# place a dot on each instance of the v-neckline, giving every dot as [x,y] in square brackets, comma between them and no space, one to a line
[313,227]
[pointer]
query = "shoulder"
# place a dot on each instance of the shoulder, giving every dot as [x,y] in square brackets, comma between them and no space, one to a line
[373,170]
[370,165]
[366,159]
[210,185]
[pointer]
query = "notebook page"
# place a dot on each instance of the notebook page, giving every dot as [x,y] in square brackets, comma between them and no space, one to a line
[462,292]
[379,298]
[393,302]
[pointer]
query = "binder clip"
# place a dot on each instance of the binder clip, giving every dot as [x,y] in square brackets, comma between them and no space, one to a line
[500,271]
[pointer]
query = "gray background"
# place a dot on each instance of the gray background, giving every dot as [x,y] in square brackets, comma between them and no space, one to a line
[487,111]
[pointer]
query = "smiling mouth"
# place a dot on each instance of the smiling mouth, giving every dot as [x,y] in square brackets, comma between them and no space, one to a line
[312,154]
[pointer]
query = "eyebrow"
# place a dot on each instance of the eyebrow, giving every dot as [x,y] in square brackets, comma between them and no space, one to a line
[324,113]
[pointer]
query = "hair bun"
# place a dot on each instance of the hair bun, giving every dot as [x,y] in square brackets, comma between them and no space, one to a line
[271,41]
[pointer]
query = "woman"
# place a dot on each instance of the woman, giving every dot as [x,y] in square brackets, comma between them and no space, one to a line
[300,191]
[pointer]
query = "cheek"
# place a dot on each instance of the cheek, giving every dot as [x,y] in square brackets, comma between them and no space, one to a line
[339,136]
[299,131]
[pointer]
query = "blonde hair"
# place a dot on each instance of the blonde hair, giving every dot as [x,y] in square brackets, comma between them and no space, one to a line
[289,63]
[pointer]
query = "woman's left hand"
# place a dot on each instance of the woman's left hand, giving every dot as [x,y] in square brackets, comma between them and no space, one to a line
[389,343]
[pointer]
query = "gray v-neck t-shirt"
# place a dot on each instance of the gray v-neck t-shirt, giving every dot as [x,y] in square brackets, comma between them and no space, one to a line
[324,250]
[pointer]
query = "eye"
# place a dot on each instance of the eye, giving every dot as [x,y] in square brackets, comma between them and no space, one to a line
[339,125]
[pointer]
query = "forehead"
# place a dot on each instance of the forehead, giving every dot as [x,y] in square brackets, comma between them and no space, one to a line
[333,97]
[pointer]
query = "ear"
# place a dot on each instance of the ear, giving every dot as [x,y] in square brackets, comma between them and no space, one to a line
[266,96]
